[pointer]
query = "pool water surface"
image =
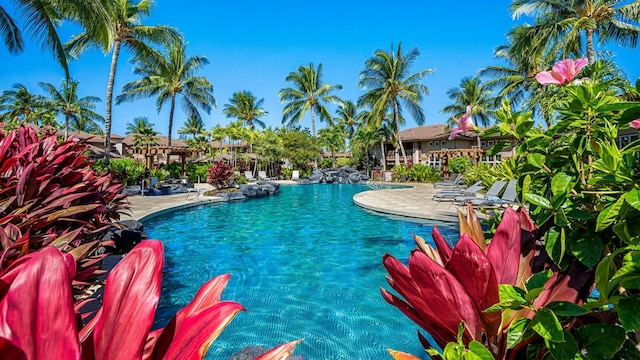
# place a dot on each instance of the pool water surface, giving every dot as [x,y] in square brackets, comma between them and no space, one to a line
[306,263]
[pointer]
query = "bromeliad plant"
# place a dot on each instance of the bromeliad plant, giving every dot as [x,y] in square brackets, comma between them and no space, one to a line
[38,319]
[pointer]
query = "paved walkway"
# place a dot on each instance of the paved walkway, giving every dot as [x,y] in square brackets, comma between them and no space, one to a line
[414,201]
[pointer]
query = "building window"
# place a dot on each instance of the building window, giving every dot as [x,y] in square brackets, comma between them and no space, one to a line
[623,141]
[484,158]
[430,143]
[436,143]
[490,143]
[443,143]
[483,143]
[498,157]
[633,138]
[491,158]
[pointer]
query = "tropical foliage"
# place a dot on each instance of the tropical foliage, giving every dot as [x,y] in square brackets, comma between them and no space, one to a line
[127,170]
[221,175]
[245,107]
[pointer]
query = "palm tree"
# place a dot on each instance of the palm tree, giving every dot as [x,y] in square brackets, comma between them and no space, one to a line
[333,139]
[348,117]
[567,21]
[471,92]
[390,87]
[65,101]
[365,139]
[166,75]
[244,106]
[18,106]
[308,93]
[42,19]
[124,29]
[192,126]
[140,125]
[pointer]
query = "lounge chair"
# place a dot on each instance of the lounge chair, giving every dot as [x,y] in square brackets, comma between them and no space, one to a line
[492,193]
[295,175]
[456,182]
[249,176]
[262,175]
[509,197]
[451,194]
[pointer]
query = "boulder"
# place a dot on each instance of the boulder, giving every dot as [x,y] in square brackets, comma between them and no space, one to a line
[260,189]
[232,196]
[343,175]
[124,238]
[132,190]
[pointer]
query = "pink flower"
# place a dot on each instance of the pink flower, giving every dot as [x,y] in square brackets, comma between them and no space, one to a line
[635,123]
[463,124]
[563,72]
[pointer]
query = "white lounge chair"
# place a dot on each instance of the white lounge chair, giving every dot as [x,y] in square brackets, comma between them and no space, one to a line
[451,194]
[249,176]
[262,175]
[509,197]
[295,175]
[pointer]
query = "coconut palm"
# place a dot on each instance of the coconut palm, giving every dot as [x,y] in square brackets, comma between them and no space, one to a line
[42,19]
[192,126]
[471,92]
[79,111]
[365,139]
[18,106]
[332,138]
[348,117]
[567,22]
[140,125]
[166,75]
[244,106]
[390,87]
[124,29]
[309,93]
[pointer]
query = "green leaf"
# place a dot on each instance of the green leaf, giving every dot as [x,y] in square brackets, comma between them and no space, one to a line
[564,350]
[566,308]
[555,244]
[511,297]
[601,341]
[537,200]
[629,312]
[538,280]
[526,184]
[587,248]
[608,215]
[560,184]
[537,160]
[453,351]
[546,324]
[516,331]
[477,351]
[603,274]
[630,266]
[633,198]
[631,148]
[561,219]
[579,214]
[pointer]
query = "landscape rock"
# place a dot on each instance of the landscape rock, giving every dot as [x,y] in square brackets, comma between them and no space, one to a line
[124,238]
[232,196]
[260,189]
[343,175]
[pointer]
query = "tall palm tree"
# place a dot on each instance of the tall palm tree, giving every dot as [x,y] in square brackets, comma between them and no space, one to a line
[192,126]
[18,105]
[42,18]
[244,106]
[568,21]
[365,139]
[471,92]
[309,93]
[124,29]
[333,140]
[140,125]
[65,102]
[166,75]
[391,87]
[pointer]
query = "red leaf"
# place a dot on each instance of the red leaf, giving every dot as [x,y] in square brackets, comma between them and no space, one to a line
[441,244]
[37,312]
[10,351]
[281,352]
[131,295]
[198,331]
[474,271]
[504,249]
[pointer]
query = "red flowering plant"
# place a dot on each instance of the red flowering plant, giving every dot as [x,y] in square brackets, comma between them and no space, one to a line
[220,175]
[38,319]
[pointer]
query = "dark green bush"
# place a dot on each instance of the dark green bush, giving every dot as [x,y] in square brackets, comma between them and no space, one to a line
[459,165]
[126,170]
[423,173]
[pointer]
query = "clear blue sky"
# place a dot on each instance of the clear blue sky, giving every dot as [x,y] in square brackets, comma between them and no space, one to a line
[253,45]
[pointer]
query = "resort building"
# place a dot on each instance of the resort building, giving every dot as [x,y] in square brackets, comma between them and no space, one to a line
[430,145]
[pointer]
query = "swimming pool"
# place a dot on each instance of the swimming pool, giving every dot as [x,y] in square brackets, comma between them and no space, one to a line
[306,263]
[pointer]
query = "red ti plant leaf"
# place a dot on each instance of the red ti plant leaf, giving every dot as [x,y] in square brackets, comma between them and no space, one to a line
[399,355]
[198,331]
[36,314]
[441,244]
[504,249]
[281,352]
[10,351]
[131,294]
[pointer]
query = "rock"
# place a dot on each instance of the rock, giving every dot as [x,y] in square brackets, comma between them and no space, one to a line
[343,175]
[133,225]
[252,352]
[132,190]
[232,196]
[125,238]
[260,189]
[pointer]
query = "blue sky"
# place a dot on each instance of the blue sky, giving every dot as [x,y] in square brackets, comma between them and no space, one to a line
[253,45]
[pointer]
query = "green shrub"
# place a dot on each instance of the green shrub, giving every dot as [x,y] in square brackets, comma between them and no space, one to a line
[398,171]
[160,173]
[424,173]
[459,165]
[197,172]
[174,169]
[127,170]
[286,173]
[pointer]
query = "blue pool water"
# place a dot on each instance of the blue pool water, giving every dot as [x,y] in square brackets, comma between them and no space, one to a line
[306,263]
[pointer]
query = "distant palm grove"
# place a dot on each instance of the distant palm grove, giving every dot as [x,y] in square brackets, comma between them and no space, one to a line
[393,89]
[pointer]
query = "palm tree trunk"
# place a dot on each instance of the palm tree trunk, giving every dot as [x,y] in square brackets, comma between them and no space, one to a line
[109,100]
[591,53]
[313,131]
[66,127]
[171,111]
[384,157]
[396,119]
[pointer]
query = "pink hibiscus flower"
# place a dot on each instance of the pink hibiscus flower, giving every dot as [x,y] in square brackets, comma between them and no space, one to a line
[635,124]
[562,72]
[464,124]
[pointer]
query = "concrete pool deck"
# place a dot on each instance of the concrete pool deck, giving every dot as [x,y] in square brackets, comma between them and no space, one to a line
[412,201]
